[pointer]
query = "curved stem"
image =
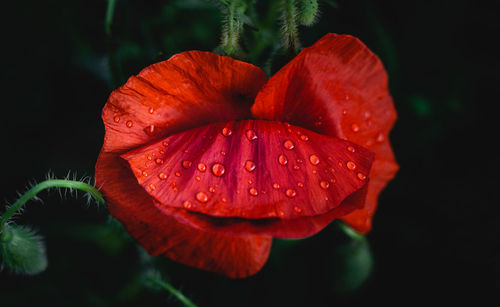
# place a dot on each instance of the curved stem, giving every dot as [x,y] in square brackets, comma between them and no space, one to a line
[47,184]
[289,27]
[173,291]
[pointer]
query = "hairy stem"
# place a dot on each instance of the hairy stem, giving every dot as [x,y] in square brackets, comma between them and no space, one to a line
[289,25]
[47,184]
[172,290]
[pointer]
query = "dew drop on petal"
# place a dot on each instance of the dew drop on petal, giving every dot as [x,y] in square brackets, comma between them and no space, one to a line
[291,193]
[351,165]
[300,184]
[380,138]
[361,176]
[314,159]
[251,135]
[152,187]
[202,167]
[186,164]
[151,110]
[159,161]
[144,173]
[151,129]
[296,167]
[276,186]
[187,204]
[355,127]
[288,145]
[116,119]
[304,138]
[211,189]
[253,191]
[297,209]
[226,131]
[324,185]
[202,197]
[250,166]
[165,143]
[282,159]
[198,178]
[162,176]
[218,169]
[129,124]
[178,174]
[351,149]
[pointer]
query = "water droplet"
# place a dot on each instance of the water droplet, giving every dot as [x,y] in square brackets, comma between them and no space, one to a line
[151,129]
[198,178]
[344,112]
[296,167]
[367,114]
[304,138]
[361,176]
[318,123]
[165,143]
[355,127]
[159,161]
[288,145]
[152,187]
[150,157]
[162,176]
[223,153]
[151,110]
[202,197]
[324,185]
[187,204]
[186,164]
[251,135]
[226,131]
[314,159]
[351,149]
[351,165]
[300,184]
[178,174]
[129,124]
[253,191]
[202,167]
[250,165]
[211,189]
[224,200]
[297,209]
[282,159]
[144,173]
[314,171]
[250,181]
[218,169]
[276,186]
[291,193]
[300,161]
[116,119]
[380,138]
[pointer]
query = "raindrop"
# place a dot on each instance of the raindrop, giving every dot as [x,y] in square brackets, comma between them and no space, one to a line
[159,161]
[218,169]
[291,193]
[251,135]
[178,174]
[282,160]
[198,178]
[151,129]
[202,197]
[144,173]
[314,159]
[288,145]
[151,110]
[300,184]
[253,191]
[297,209]
[324,184]
[351,149]
[250,165]
[276,186]
[355,127]
[380,138]
[361,176]
[296,167]
[116,119]
[152,187]
[226,131]
[304,138]
[211,189]
[162,176]
[129,124]
[202,167]
[351,165]
[187,204]
[186,164]
[165,143]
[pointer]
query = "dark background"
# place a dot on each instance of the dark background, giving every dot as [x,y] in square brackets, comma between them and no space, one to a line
[436,233]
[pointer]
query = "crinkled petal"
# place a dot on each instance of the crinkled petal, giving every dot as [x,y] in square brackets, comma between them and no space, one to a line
[297,228]
[251,169]
[338,87]
[232,255]
[188,90]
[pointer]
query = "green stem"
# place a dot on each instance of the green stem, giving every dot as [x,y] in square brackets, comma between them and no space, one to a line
[351,233]
[232,31]
[47,184]
[290,29]
[109,16]
[173,291]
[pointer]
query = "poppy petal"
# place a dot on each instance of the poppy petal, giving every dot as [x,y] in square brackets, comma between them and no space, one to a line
[279,228]
[251,169]
[231,255]
[338,87]
[188,90]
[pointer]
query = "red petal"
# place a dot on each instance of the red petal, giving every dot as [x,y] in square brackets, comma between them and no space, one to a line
[287,229]
[338,87]
[233,256]
[190,89]
[239,174]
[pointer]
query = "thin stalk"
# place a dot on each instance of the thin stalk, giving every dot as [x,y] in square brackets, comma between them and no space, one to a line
[173,291]
[47,184]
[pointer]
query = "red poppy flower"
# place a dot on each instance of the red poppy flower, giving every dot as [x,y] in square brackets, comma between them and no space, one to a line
[204,160]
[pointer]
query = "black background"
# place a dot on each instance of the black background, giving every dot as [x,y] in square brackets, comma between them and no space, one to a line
[435,235]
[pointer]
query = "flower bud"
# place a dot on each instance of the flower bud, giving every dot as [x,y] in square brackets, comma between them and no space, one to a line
[308,12]
[22,250]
